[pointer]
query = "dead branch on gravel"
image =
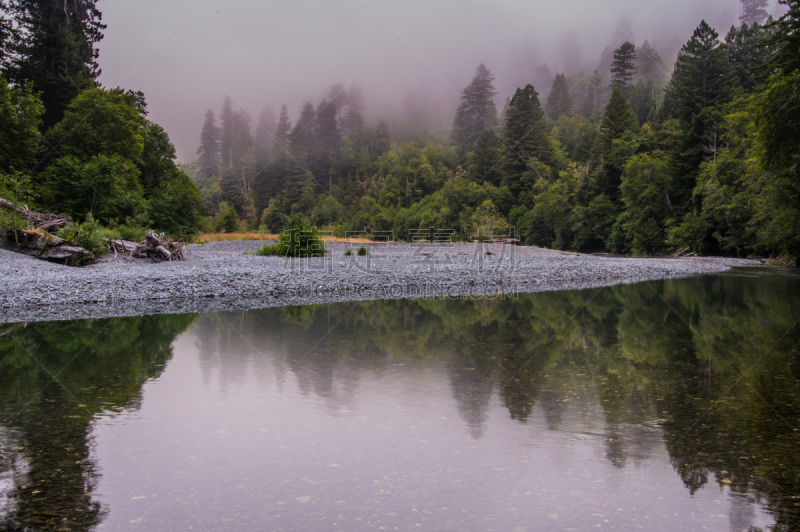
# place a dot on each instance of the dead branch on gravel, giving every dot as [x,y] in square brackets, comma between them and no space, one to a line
[159,248]
[51,223]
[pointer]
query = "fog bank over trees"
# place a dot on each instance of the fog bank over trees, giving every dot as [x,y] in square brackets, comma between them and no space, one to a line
[411,59]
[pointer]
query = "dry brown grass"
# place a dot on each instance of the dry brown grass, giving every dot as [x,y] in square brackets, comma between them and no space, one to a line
[228,237]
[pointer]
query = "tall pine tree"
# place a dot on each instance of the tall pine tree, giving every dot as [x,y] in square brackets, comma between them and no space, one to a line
[265,130]
[650,66]
[623,68]
[754,11]
[592,106]
[353,117]
[525,138]
[54,48]
[282,132]
[476,112]
[209,147]
[559,101]
[703,76]
[226,134]
[748,51]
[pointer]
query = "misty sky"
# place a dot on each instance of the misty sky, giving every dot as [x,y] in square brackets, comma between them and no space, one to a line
[288,51]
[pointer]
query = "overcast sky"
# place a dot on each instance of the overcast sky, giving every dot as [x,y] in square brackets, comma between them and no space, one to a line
[187,55]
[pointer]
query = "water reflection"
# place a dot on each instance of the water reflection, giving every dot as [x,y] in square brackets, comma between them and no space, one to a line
[696,375]
[54,378]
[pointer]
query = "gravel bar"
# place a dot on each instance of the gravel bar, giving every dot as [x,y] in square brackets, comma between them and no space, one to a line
[220,276]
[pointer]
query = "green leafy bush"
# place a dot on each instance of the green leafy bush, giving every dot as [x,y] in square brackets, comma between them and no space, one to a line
[226,220]
[298,239]
[363,251]
[348,253]
[89,235]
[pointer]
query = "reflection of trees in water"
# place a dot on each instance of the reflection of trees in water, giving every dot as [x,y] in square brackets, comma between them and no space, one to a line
[617,361]
[472,391]
[100,367]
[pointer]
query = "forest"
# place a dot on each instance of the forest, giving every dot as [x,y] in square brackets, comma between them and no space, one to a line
[639,159]
[635,158]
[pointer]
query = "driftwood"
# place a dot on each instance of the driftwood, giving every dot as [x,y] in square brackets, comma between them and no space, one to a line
[44,245]
[51,223]
[159,248]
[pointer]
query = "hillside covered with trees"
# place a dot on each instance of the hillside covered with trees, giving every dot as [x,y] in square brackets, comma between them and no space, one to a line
[638,159]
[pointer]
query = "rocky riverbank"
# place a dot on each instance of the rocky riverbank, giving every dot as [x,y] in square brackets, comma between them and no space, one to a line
[220,276]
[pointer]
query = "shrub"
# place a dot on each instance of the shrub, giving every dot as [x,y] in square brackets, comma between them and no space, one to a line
[348,253]
[89,235]
[226,221]
[298,239]
[363,251]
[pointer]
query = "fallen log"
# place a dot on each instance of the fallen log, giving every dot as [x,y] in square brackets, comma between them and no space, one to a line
[51,223]
[44,245]
[158,248]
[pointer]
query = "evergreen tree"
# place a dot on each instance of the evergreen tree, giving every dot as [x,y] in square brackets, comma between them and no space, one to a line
[592,107]
[226,133]
[485,161]
[353,118]
[619,118]
[337,96]
[6,34]
[525,138]
[325,143]
[54,48]
[300,142]
[642,100]
[476,112]
[779,106]
[282,131]
[703,76]
[559,101]
[748,52]
[209,147]
[786,38]
[264,132]
[650,66]
[623,67]
[20,116]
[754,11]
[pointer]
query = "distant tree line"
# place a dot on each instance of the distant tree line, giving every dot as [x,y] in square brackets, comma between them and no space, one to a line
[641,160]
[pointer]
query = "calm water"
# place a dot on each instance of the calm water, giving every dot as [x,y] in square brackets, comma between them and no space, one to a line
[667,406]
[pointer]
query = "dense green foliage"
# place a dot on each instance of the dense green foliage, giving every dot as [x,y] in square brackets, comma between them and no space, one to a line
[88,152]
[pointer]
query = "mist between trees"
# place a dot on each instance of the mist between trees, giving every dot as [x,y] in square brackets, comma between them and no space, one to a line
[633,158]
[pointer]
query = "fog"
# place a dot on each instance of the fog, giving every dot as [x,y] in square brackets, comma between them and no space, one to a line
[414,55]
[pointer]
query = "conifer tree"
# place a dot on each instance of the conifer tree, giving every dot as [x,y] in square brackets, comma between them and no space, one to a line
[703,76]
[748,52]
[300,143]
[476,112]
[623,68]
[485,167]
[353,118]
[650,65]
[226,134]
[525,137]
[209,147]
[283,130]
[559,101]
[592,108]
[265,130]
[326,139]
[54,48]
[619,118]
[786,37]
[754,11]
